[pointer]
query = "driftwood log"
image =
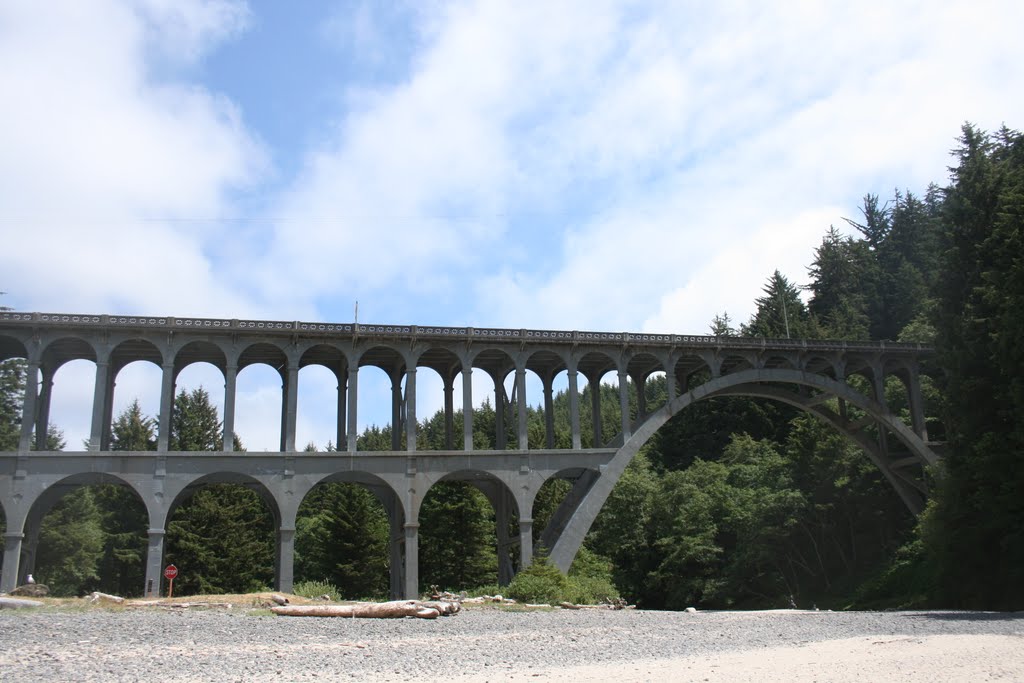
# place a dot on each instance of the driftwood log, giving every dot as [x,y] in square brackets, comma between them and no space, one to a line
[374,610]
[17,603]
[96,596]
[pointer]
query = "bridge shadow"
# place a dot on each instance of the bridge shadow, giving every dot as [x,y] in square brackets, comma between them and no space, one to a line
[968,616]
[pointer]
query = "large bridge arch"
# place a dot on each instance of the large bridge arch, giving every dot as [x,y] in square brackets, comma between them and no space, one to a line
[763,383]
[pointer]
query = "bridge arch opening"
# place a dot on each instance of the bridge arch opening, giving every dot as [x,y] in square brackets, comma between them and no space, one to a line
[84,533]
[322,399]
[135,380]
[261,397]
[468,533]
[439,404]
[381,398]
[221,534]
[194,380]
[349,534]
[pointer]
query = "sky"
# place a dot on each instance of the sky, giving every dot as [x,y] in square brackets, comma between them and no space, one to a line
[603,165]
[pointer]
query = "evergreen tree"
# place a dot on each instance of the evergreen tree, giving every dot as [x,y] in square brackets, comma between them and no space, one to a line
[194,423]
[974,533]
[71,545]
[12,392]
[457,538]
[781,314]
[133,431]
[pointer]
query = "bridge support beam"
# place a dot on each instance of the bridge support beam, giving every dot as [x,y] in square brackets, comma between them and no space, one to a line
[28,408]
[353,395]
[43,408]
[230,381]
[574,409]
[467,408]
[12,561]
[99,404]
[155,564]
[525,542]
[412,562]
[284,576]
[166,408]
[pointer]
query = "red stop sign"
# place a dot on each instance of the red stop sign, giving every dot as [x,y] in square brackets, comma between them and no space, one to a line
[170,572]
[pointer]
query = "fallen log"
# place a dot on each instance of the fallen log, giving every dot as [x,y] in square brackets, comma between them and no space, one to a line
[395,609]
[444,607]
[96,596]
[17,603]
[279,599]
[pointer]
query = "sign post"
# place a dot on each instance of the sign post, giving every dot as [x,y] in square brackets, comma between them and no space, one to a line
[170,572]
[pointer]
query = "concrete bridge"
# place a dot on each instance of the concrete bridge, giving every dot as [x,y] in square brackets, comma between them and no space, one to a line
[841,383]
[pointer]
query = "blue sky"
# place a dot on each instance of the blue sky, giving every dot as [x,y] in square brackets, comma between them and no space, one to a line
[579,165]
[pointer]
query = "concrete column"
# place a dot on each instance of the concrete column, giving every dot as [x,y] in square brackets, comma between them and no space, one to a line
[154,587]
[595,409]
[29,407]
[291,407]
[467,408]
[412,562]
[340,440]
[396,410]
[99,404]
[353,393]
[499,414]
[12,560]
[574,409]
[166,408]
[641,396]
[501,516]
[627,423]
[230,382]
[549,413]
[522,439]
[108,412]
[879,385]
[670,384]
[916,403]
[525,543]
[449,411]
[43,408]
[395,547]
[410,409]
[285,559]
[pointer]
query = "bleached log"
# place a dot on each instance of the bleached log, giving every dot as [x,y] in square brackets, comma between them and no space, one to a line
[18,603]
[445,607]
[279,599]
[378,610]
[96,596]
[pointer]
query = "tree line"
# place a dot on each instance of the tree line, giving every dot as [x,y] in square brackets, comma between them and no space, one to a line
[734,502]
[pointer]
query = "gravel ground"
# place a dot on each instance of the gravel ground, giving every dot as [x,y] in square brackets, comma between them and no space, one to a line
[130,645]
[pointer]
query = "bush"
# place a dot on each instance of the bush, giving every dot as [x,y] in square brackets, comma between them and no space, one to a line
[314,589]
[541,582]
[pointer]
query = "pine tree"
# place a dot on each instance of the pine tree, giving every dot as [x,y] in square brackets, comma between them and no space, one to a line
[133,431]
[781,314]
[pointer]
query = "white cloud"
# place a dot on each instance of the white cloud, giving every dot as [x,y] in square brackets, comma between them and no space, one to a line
[112,182]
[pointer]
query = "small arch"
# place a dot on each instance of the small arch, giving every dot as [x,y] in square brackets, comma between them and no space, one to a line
[360,563]
[690,370]
[11,348]
[87,532]
[452,519]
[221,532]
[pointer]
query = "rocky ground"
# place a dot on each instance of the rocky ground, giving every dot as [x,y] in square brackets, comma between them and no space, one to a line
[494,644]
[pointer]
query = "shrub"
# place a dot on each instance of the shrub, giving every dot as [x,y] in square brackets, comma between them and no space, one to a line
[541,582]
[314,589]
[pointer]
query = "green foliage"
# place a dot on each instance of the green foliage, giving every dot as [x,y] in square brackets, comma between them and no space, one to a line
[540,583]
[12,391]
[194,423]
[457,538]
[341,539]
[71,545]
[133,431]
[222,541]
[316,589]
[978,521]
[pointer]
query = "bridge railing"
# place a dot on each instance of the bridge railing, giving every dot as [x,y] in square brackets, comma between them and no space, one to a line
[443,332]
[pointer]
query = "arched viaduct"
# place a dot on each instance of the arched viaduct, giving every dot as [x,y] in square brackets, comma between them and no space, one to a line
[842,383]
